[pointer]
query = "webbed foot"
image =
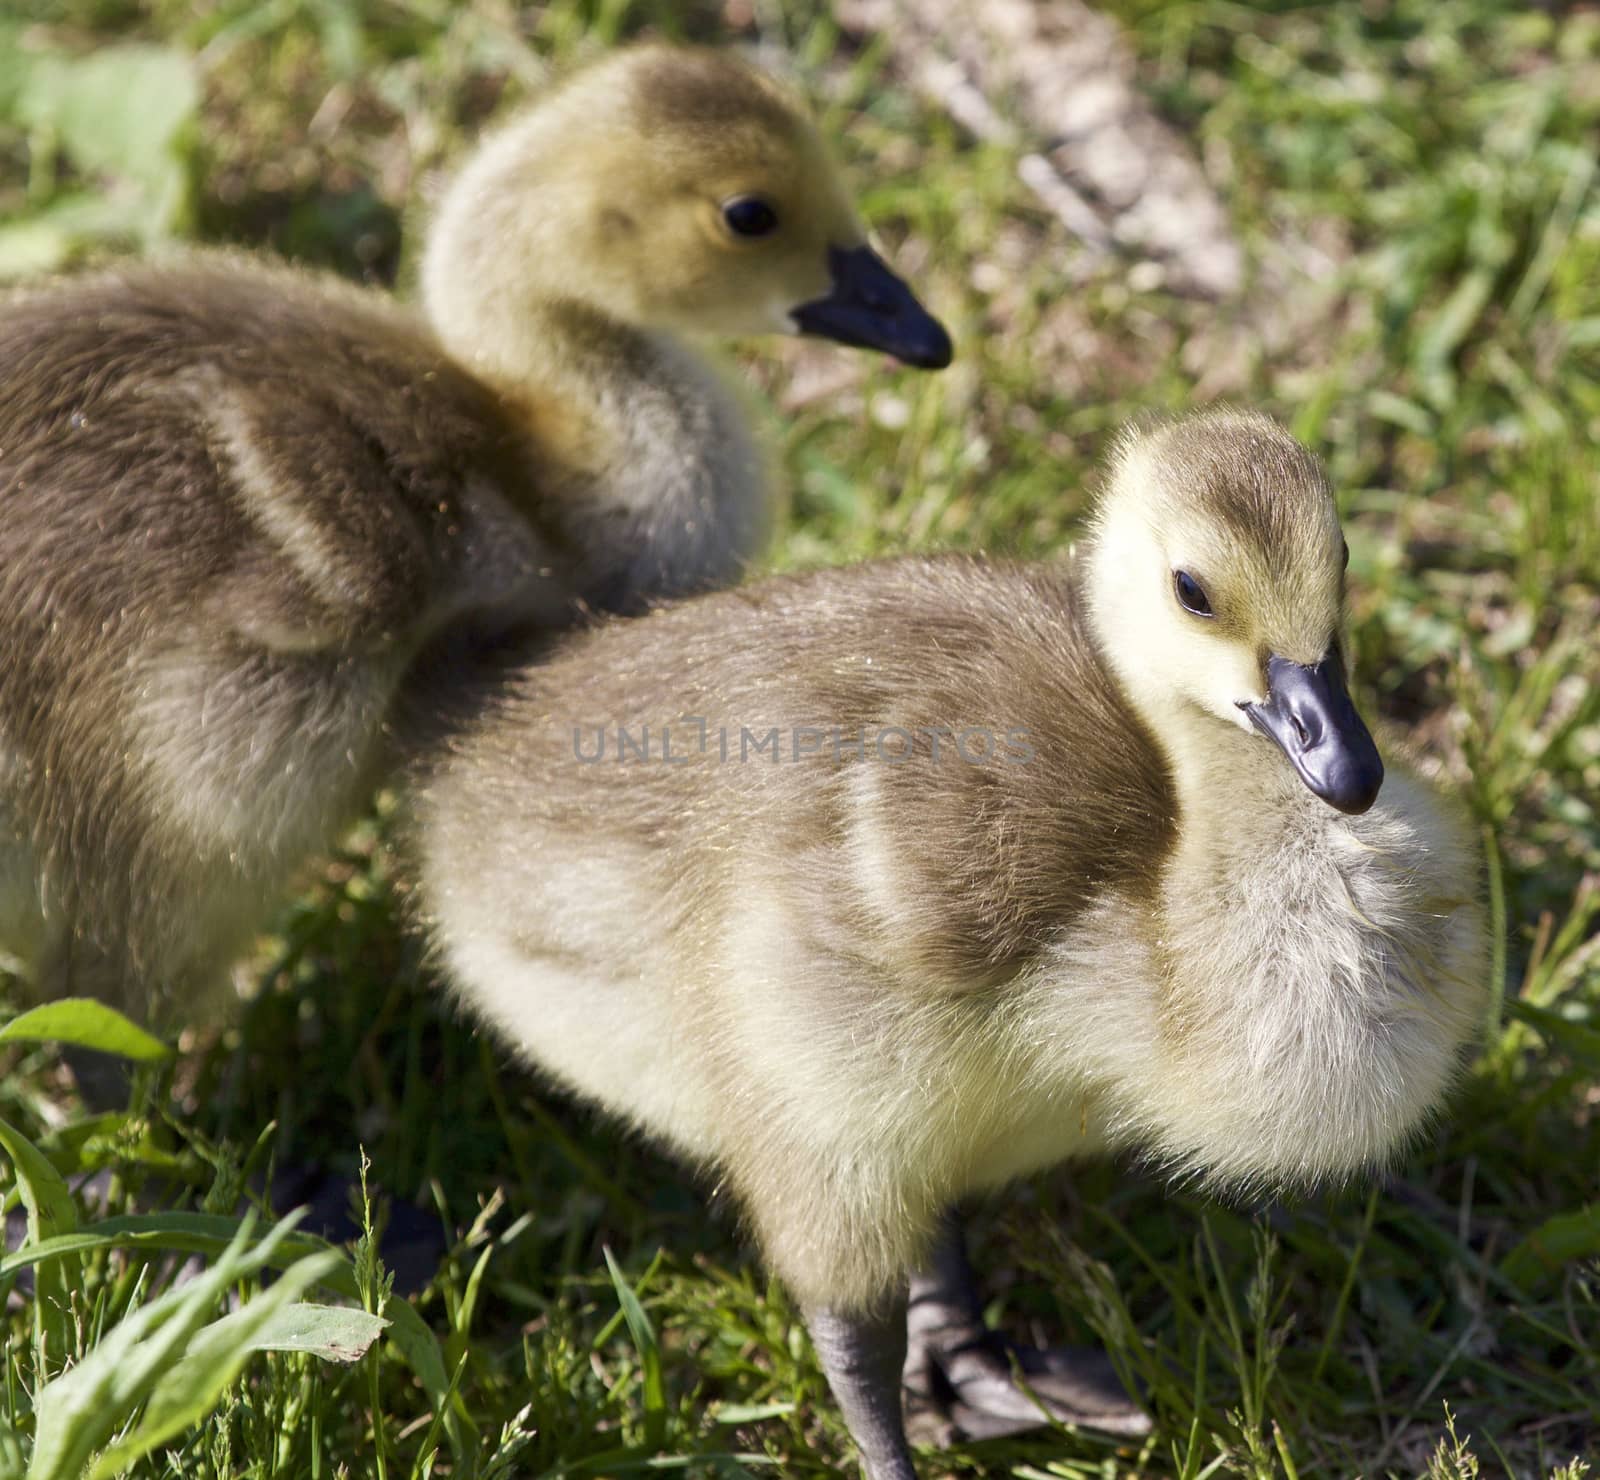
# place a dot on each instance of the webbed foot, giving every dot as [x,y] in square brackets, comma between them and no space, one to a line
[965,1381]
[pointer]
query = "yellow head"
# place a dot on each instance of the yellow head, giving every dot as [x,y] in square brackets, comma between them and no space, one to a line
[668,188]
[1217,585]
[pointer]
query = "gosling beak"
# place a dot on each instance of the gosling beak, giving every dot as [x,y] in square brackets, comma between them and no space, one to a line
[1309,714]
[873,309]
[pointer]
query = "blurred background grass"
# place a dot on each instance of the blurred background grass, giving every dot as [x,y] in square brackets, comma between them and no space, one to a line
[1412,184]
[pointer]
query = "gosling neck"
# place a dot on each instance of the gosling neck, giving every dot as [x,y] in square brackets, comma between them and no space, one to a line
[558,364]
[640,451]
[504,288]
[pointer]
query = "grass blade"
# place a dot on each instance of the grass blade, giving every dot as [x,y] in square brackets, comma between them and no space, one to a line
[50,1213]
[649,1350]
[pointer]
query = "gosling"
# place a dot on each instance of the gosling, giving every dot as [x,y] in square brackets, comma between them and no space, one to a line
[236,500]
[948,870]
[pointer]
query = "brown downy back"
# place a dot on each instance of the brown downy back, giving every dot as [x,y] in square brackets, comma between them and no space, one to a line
[1002,854]
[239,469]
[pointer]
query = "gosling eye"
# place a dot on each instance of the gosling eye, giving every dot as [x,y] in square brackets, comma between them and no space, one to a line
[1191,595]
[1345,552]
[749,216]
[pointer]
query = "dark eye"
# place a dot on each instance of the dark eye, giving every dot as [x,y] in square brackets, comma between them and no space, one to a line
[1345,544]
[1191,596]
[749,215]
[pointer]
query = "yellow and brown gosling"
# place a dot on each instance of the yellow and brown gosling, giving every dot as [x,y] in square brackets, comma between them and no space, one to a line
[948,870]
[236,500]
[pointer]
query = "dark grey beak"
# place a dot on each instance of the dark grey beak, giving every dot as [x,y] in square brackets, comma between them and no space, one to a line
[1309,714]
[873,309]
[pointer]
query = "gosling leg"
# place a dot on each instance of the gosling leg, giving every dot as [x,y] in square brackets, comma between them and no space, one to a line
[862,1356]
[959,1374]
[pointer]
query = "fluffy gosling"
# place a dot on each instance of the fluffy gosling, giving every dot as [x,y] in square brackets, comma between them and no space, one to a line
[873,888]
[236,500]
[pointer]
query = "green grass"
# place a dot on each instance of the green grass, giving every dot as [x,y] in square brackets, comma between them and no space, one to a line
[1414,183]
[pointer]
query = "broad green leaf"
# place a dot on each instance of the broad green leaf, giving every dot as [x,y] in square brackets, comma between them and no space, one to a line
[121,114]
[30,247]
[87,1024]
[1580,1041]
[211,1234]
[78,1412]
[13,67]
[732,1413]
[1556,1242]
[44,1193]
[336,1333]
[215,1355]
[51,237]
[118,110]
[50,1213]
[47,1251]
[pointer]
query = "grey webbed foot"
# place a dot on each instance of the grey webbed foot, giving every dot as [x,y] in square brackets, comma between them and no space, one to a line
[964,1381]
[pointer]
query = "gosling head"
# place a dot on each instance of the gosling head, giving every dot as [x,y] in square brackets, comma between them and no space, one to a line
[669,188]
[1216,584]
